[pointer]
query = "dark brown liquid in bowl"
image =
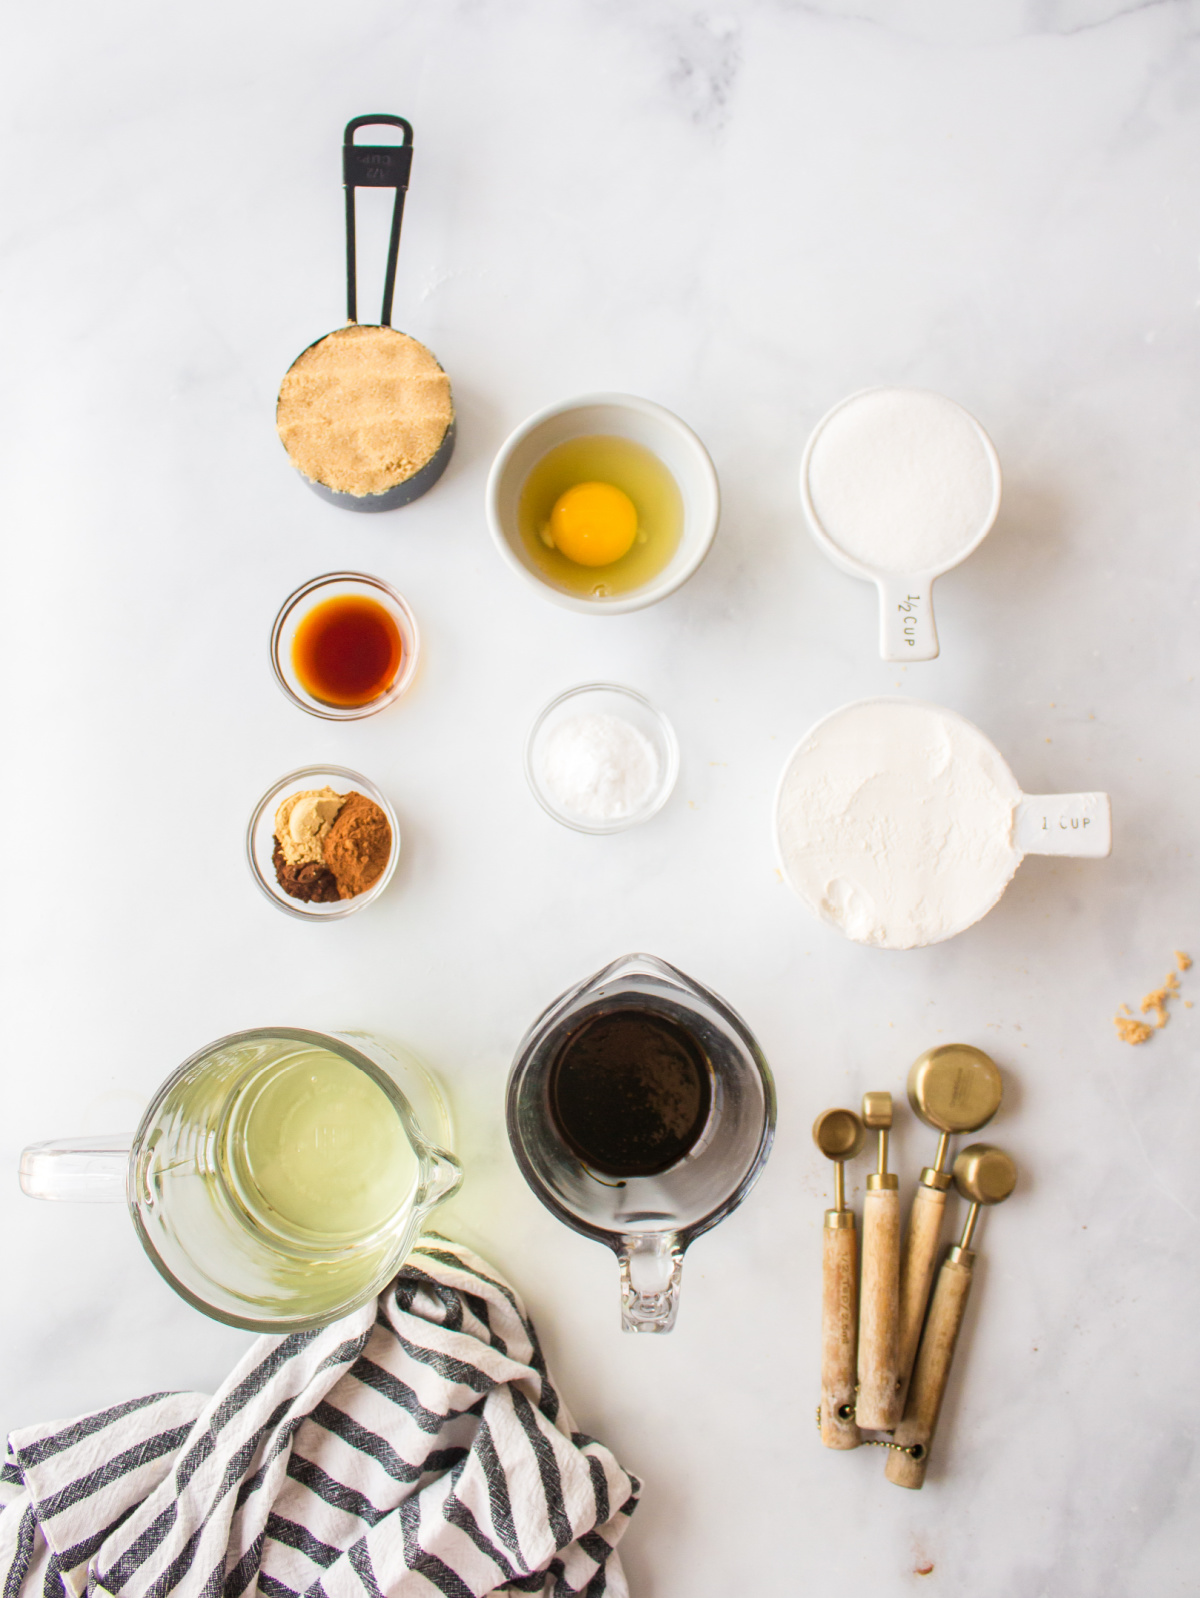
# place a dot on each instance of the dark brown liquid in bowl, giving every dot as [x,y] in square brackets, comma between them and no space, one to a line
[347,650]
[630,1092]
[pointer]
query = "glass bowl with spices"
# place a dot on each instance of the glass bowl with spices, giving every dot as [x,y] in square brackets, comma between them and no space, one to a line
[601,758]
[344,646]
[323,842]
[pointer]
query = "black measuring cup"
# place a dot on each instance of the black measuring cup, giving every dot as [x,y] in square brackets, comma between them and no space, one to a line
[379,166]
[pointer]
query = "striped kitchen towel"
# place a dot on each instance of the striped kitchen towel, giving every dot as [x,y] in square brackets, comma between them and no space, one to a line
[416,1447]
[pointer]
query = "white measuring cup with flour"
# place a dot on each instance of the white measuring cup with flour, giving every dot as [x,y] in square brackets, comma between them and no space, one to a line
[899,485]
[900,824]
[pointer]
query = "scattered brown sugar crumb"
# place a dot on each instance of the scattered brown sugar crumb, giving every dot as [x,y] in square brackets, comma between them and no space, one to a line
[1130,1029]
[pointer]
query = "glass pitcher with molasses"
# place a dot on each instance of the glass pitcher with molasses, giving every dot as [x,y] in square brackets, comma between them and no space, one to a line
[641,1111]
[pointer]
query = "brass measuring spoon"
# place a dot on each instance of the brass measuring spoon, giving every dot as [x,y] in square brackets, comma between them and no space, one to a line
[953,1088]
[985,1175]
[840,1135]
[879,1406]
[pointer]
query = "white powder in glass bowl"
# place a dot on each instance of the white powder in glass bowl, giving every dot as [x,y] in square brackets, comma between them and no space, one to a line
[894,822]
[599,768]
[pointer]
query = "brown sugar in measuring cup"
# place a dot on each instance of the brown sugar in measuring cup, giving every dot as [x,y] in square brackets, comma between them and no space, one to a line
[366,413]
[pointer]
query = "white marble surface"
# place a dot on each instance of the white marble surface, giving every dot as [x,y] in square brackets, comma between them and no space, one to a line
[744,213]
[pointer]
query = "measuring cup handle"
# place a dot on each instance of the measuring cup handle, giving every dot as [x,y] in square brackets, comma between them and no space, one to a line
[375,166]
[907,630]
[88,1168]
[1077,824]
[651,1269]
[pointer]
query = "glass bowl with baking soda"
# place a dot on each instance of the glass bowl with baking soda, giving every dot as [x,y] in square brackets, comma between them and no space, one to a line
[601,758]
[322,843]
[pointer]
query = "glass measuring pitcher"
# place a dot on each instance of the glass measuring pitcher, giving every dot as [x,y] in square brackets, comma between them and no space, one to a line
[278,1178]
[648,1220]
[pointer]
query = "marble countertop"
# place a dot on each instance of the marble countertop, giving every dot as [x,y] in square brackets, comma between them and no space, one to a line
[744,213]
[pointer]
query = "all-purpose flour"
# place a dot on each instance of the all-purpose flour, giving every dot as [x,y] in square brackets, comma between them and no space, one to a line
[599,767]
[894,822]
[902,480]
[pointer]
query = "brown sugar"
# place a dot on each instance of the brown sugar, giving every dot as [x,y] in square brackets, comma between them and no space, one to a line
[358,845]
[364,409]
[1130,1029]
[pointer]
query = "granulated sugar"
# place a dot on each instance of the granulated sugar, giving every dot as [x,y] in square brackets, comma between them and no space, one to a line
[599,768]
[902,480]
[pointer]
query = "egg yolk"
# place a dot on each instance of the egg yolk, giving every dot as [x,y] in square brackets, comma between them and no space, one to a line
[593,524]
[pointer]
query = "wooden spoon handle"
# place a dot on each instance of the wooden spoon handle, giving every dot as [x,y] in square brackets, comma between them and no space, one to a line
[879,1316]
[931,1372]
[917,1264]
[839,1334]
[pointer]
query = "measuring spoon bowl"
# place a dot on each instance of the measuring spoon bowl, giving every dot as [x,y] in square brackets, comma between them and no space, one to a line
[839,1134]
[984,1174]
[954,1088]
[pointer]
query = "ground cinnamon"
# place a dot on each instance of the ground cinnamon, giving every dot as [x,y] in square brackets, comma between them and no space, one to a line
[358,845]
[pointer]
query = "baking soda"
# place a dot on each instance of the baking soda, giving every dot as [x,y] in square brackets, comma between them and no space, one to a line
[599,768]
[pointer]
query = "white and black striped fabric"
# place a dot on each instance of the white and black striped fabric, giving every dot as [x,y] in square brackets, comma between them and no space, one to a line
[415,1448]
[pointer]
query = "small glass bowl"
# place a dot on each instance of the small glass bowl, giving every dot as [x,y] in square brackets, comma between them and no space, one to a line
[604,698]
[260,840]
[296,606]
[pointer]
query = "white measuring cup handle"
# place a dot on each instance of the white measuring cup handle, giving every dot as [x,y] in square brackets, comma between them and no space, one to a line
[907,630]
[1064,823]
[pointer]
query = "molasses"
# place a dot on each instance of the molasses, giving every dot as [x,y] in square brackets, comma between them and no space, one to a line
[630,1092]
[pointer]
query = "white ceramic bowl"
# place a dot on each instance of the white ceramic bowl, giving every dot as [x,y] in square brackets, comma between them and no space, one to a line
[623,416]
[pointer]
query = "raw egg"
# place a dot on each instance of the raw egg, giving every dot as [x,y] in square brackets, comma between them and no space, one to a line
[607,470]
[593,524]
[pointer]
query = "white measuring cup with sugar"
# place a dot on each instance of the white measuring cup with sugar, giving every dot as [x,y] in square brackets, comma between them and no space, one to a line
[899,485]
[899,823]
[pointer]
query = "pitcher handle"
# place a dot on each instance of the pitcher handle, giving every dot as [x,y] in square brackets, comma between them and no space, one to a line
[651,1269]
[87,1168]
